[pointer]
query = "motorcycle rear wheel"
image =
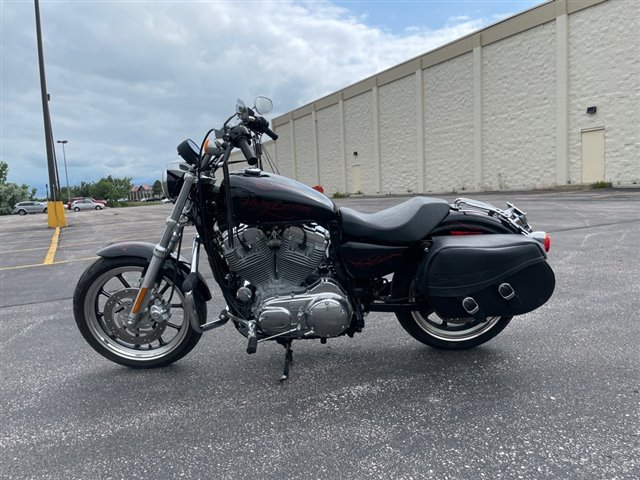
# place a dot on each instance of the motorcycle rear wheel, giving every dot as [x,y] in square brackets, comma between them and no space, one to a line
[442,333]
[103,299]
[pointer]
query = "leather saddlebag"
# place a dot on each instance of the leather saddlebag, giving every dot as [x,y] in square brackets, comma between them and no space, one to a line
[485,275]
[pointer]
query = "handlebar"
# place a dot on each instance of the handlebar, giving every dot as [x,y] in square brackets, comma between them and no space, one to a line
[238,136]
[261,125]
[247,151]
[271,133]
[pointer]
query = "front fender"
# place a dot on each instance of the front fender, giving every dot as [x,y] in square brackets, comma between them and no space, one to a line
[145,250]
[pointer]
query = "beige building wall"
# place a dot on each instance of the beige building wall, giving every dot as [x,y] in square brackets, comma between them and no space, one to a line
[282,151]
[518,109]
[503,108]
[305,159]
[361,161]
[604,71]
[397,112]
[448,125]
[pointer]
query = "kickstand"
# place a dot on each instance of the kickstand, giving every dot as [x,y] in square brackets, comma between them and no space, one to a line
[288,359]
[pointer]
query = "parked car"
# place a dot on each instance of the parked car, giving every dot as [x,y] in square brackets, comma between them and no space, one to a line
[86,204]
[23,208]
[75,199]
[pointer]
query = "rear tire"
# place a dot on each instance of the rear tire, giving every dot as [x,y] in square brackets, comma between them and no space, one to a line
[22,212]
[103,299]
[449,333]
[437,332]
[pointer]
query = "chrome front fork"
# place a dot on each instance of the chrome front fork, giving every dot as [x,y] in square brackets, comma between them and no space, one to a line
[171,235]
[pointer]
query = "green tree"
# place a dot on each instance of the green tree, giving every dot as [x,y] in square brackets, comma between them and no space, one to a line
[4,171]
[111,188]
[83,190]
[157,188]
[11,193]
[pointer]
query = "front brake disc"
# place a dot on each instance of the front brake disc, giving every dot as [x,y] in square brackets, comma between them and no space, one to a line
[116,313]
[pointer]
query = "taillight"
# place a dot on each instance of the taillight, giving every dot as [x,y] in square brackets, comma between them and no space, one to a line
[543,238]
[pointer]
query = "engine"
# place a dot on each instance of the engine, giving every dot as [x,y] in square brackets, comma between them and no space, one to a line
[282,284]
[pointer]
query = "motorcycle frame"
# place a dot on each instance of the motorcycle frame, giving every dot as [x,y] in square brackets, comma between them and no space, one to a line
[477,218]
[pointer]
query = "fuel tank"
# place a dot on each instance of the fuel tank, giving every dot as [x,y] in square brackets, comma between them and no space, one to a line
[266,198]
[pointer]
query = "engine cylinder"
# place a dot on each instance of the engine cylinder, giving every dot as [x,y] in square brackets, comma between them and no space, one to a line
[251,257]
[300,253]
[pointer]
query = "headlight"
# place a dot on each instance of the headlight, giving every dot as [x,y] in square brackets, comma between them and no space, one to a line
[173,178]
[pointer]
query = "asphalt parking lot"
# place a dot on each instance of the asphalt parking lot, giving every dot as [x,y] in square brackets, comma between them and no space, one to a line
[556,395]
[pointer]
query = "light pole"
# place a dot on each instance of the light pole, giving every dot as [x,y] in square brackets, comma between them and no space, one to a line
[55,213]
[64,157]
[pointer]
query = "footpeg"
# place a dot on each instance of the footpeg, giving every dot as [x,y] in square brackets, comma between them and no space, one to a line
[190,283]
[222,319]
[252,346]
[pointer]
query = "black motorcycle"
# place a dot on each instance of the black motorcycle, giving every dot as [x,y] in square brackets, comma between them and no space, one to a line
[292,265]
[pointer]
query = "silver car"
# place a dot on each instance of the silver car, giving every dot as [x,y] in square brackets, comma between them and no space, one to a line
[86,204]
[23,208]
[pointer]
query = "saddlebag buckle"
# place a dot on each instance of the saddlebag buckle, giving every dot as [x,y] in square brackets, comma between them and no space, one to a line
[506,291]
[470,306]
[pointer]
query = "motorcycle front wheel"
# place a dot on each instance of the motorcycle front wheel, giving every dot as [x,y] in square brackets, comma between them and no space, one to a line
[428,327]
[103,299]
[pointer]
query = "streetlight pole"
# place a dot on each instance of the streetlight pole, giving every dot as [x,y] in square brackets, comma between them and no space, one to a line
[55,213]
[64,157]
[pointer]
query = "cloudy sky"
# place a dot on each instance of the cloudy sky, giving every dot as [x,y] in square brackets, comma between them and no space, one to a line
[130,79]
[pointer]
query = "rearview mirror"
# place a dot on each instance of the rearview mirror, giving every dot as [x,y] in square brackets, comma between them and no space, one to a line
[263,105]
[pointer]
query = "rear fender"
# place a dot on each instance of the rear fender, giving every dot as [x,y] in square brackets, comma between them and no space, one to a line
[145,250]
[471,223]
[457,223]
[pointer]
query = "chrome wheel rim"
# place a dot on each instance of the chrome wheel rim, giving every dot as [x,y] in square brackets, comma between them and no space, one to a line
[450,329]
[107,306]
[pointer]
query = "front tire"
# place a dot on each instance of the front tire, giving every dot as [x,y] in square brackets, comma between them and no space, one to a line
[103,299]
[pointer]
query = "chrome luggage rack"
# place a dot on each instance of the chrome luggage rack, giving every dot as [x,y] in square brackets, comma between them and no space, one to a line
[512,214]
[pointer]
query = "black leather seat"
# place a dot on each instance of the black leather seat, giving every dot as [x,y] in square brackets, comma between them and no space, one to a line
[407,222]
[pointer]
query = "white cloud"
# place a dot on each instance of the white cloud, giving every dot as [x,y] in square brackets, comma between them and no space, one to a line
[130,80]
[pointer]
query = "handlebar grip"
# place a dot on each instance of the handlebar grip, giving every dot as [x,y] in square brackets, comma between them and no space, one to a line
[271,133]
[261,125]
[247,151]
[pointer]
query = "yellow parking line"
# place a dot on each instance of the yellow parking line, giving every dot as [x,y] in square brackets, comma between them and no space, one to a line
[48,260]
